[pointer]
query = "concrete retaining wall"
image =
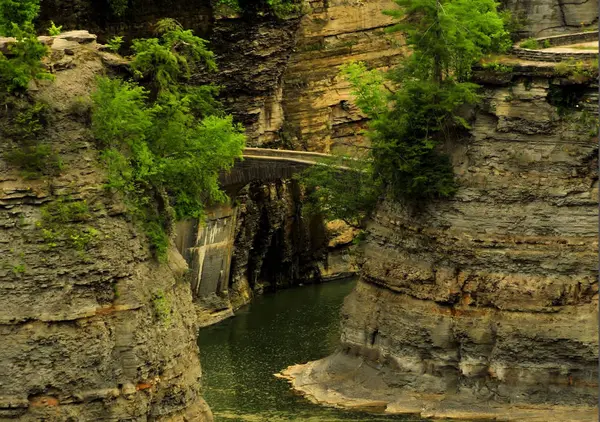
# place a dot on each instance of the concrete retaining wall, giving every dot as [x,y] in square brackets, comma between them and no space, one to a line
[558,40]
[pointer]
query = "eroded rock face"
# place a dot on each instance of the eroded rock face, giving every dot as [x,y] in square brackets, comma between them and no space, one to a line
[486,305]
[92,327]
[275,246]
[553,17]
[317,101]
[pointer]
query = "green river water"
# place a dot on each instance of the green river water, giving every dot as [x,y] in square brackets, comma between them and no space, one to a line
[240,355]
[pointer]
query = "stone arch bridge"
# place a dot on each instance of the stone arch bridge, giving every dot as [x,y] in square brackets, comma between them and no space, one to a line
[208,245]
[268,165]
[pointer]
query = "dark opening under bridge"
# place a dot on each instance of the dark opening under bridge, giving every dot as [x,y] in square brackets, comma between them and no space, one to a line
[208,245]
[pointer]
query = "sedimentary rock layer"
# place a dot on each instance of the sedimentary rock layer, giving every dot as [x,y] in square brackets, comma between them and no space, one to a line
[485,305]
[92,327]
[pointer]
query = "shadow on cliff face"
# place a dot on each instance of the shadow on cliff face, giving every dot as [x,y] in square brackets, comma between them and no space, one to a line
[275,246]
[136,21]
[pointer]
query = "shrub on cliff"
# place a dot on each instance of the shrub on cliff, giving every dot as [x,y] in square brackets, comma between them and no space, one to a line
[23,62]
[164,142]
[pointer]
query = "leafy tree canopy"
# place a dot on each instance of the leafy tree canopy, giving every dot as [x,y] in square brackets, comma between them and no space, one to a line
[17,12]
[448,36]
[165,141]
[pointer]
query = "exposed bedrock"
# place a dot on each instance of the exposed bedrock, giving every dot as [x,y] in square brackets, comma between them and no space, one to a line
[486,305]
[92,327]
[553,17]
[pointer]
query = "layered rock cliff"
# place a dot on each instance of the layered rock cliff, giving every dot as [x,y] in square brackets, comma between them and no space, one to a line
[280,76]
[485,305]
[92,327]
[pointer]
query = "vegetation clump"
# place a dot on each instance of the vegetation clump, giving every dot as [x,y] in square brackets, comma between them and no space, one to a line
[163,140]
[24,120]
[577,70]
[497,67]
[282,9]
[530,43]
[24,129]
[63,223]
[22,63]
[118,7]
[161,307]
[54,30]
[115,43]
[16,15]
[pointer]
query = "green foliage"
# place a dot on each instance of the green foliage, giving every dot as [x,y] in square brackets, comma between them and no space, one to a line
[227,7]
[367,88]
[405,140]
[514,23]
[115,43]
[19,269]
[81,106]
[530,43]
[280,8]
[164,63]
[577,70]
[62,223]
[31,154]
[23,62]
[328,193]
[497,67]
[285,8]
[448,36]
[65,211]
[327,184]
[54,30]
[161,307]
[165,143]
[118,7]
[16,14]
[410,122]
[35,161]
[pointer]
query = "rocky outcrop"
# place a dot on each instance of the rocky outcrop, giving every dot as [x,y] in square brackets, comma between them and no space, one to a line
[316,100]
[485,305]
[276,246]
[92,327]
[550,17]
[282,78]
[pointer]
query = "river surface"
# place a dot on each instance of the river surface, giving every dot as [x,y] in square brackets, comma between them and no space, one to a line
[240,355]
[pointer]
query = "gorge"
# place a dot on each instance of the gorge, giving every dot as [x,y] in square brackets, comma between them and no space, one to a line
[482,306]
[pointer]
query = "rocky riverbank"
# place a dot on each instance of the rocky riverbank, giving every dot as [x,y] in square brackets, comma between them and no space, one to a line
[484,306]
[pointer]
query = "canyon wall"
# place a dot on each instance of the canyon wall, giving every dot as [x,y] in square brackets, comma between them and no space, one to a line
[92,327]
[485,305]
[280,76]
[260,242]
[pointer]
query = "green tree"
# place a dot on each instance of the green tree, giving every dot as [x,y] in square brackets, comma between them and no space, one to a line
[342,188]
[420,109]
[448,36]
[17,12]
[23,62]
[164,141]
